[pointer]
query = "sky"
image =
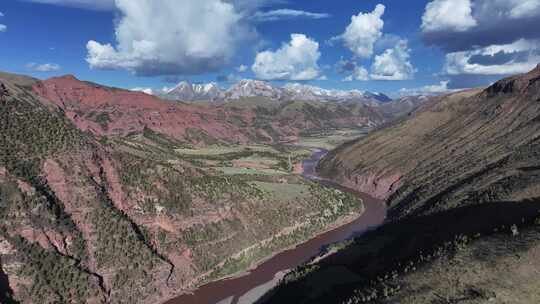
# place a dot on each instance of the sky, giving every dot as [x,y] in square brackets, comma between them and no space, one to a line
[394,47]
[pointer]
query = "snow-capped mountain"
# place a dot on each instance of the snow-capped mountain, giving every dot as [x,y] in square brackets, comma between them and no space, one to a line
[247,88]
[147,91]
[186,91]
[307,93]
[254,88]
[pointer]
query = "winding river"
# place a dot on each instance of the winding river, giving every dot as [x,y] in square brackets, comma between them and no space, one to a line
[248,288]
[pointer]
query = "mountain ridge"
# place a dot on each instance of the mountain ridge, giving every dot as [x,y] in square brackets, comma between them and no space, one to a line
[247,88]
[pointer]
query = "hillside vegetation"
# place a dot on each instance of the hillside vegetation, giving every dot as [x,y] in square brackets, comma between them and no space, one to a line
[461,179]
[93,213]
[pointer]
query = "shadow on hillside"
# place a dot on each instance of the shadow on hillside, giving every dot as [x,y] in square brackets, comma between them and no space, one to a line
[384,250]
[6,294]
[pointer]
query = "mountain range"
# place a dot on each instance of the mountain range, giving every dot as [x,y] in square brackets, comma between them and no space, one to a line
[249,88]
[109,195]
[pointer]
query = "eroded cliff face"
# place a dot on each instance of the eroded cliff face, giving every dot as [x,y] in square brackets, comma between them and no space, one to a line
[379,184]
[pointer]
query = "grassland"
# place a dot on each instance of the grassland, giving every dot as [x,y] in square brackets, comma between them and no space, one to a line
[330,139]
[224,149]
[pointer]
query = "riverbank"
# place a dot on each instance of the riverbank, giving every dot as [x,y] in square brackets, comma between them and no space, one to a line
[246,286]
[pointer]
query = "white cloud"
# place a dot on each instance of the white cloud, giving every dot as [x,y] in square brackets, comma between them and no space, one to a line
[518,57]
[296,60]
[525,9]
[359,73]
[393,64]
[448,15]
[242,68]
[86,4]
[363,31]
[171,37]
[45,67]
[461,25]
[3,27]
[280,14]
[435,89]
[148,91]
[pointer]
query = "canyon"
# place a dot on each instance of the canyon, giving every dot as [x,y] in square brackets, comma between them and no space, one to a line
[110,195]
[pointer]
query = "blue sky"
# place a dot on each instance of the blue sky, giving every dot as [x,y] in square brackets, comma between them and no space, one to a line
[394,45]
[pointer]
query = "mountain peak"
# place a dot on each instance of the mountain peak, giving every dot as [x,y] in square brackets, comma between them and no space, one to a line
[254,88]
[516,84]
[186,91]
[67,77]
[535,72]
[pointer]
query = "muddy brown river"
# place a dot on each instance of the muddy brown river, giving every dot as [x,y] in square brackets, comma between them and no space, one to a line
[247,288]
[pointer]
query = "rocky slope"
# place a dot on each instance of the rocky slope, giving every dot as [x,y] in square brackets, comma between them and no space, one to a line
[460,176]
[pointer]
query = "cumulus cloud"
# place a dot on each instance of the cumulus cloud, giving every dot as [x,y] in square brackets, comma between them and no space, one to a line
[436,89]
[247,6]
[393,64]
[280,14]
[363,31]
[518,57]
[171,37]
[45,67]
[242,68]
[345,66]
[148,91]
[296,60]
[448,15]
[86,4]
[460,25]
[359,73]
[525,9]
[3,27]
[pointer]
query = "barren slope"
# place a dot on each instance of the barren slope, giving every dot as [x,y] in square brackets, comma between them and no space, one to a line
[464,148]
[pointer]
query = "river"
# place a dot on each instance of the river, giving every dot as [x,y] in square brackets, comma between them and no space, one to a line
[247,288]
